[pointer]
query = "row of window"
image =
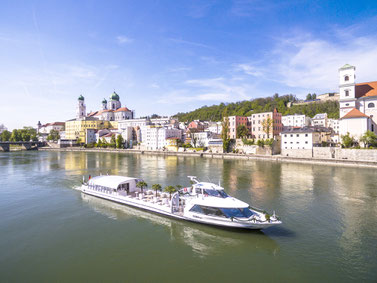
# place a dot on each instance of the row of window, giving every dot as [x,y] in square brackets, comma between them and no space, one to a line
[297,135]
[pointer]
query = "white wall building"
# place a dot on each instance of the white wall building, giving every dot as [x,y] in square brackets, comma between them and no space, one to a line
[295,120]
[304,138]
[201,139]
[215,127]
[127,134]
[320,120]
[357,103]
[334,125]
[154,137]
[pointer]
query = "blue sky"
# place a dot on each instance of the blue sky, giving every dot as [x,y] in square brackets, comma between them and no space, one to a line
[170,56]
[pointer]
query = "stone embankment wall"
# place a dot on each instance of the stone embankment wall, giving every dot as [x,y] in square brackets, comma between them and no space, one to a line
[333,153]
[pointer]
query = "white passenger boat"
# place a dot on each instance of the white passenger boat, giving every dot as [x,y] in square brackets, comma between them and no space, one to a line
[202,202]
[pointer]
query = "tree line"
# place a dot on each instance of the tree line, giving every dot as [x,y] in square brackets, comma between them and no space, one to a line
[258,105]
[25,134]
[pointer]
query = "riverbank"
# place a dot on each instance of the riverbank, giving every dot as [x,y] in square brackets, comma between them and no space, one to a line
[274,158]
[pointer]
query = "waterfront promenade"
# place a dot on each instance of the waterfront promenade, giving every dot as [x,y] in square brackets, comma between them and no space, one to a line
[274,158]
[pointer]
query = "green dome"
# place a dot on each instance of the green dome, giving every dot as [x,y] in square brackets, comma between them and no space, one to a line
[104,100]
[114,96]
[81,97]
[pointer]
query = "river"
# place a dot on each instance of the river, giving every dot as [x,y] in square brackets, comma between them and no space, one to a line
[49,231]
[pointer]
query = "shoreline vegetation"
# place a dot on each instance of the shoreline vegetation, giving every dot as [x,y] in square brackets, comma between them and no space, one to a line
[273,158]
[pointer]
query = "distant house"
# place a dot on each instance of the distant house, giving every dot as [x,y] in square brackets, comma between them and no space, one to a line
[304,138]
[275,128]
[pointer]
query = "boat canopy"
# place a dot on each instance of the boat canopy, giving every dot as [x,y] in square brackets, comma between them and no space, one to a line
[208,186]
[112,181]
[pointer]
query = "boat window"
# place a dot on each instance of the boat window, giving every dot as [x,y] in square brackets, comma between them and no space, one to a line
[196,208]
[216,193]
[213,211]
[237,212]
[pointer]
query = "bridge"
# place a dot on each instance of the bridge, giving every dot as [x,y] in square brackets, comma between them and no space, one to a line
[5,145]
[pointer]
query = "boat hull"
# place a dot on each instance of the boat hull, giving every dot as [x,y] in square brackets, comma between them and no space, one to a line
[166,211]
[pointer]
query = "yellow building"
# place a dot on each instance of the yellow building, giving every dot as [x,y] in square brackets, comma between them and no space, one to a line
[76,128]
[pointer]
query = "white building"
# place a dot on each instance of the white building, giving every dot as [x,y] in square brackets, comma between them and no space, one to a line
[127,134]
[215,127]
[320,120]
[90,136]
[154,137]
[334,125]
[200,139]
[304,138]
[81,108]
[295,120]
[357,103]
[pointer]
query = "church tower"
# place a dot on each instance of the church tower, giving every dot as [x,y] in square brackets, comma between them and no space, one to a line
[114,102]
[81,107]
[347,95]
[104,104]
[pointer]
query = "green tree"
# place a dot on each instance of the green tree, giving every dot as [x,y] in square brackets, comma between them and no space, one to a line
[5,135]
[170,190]
[314,96]
[113,142]
[120,141]
[347,140]
[16,136]
[156,187]
[178,187]
[104,143]
[225,134]
[309,96]
[54,135]
[369,139]
[141,185]
[267,125]
[242,131]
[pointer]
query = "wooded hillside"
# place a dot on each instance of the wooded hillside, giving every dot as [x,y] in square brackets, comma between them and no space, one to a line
[246,108]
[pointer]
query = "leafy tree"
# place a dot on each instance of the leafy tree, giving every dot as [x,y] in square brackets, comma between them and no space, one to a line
[54,135]
[314,96]
[78,141]
[156,187]
[120,141]
[178,187]
[170,190]
[104,143]
[347,140]
[16,135]
[242,131]
[113,142]
[5,135]
[260,143]
[369,139]
[141,185]
[225,134]
[267,125]
[309,96]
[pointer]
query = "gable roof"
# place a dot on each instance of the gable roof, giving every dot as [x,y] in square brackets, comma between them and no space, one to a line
[123,109]
[354,113]
[366,89]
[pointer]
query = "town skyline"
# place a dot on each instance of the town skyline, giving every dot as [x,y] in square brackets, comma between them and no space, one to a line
[180,56]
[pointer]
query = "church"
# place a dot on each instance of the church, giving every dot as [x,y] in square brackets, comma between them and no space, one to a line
[111,110]
[357,104]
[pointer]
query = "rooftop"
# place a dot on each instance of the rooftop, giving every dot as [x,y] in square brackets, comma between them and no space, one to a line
[354,113]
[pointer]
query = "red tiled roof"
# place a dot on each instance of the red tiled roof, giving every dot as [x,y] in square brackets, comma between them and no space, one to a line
[354,113]
[366,89]
[125,109]
[103,111]
[92,113]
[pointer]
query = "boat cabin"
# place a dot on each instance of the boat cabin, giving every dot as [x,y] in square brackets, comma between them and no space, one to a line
[112,184]
[208,189]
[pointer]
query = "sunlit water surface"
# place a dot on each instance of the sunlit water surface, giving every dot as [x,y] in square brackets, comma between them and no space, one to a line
[51,232]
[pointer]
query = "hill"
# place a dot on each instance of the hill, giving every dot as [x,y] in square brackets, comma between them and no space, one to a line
[258,105]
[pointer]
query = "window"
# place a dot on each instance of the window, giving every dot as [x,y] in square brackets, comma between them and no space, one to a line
[346,78]
[347,104]
[297,135]
[306,142]
[347,92]
[285,135]
[306,135]
[370,105]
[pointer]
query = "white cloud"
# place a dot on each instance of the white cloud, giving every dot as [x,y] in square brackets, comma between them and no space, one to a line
[121,39]
[249,70]
[312,63]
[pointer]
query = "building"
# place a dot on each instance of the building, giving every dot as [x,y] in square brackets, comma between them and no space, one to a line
[196,124]
[44,130]
[331,96]
[357,103]
[266,125]
[304,138]
[333,124]
[201,139]
[295,120]
[154,137]
[215,127]
[111,110]
[234,122]
[320,120]
[76,128]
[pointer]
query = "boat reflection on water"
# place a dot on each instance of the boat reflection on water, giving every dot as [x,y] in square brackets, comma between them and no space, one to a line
[203,240]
